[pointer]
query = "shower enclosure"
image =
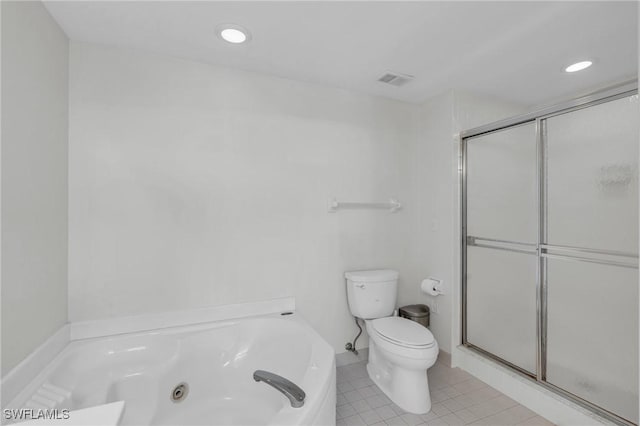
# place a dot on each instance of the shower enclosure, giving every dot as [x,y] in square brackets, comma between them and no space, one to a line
[550,248]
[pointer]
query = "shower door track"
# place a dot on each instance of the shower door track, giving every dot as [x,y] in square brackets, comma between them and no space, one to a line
[538,249]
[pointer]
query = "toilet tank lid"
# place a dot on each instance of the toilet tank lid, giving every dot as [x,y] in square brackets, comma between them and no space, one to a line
[372,276]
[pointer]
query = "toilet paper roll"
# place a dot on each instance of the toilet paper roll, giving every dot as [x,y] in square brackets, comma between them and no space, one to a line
[431,286]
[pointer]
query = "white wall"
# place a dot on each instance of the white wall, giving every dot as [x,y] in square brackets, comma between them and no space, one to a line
[34,179]
[193,185]
[430,216]
[434,218]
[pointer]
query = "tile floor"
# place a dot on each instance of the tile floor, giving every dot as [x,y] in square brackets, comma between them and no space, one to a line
[457,399]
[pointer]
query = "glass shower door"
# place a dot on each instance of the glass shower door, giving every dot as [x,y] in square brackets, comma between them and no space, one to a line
[550,249]
[502,236]
[590,254]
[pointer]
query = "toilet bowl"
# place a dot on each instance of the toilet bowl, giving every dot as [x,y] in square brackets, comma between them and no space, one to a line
[400,350]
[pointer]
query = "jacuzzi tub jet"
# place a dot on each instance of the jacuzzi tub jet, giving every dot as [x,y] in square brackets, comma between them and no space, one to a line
[180,392]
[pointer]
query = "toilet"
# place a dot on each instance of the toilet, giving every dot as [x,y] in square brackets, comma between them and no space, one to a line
[400,350]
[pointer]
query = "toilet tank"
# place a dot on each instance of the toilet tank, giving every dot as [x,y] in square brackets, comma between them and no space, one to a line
[372,294]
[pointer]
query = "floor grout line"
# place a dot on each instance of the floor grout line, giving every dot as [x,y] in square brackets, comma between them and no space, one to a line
[448,384]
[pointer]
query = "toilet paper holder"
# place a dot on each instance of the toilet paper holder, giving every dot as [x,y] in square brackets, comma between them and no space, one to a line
[432,286]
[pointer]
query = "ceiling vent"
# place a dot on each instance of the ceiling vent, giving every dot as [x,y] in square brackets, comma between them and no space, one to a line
[395,79]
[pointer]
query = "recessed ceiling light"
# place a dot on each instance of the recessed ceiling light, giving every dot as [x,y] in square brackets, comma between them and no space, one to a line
[578,66]
[233,33]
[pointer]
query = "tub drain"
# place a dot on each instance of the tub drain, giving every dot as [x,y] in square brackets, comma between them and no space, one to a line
[180,392]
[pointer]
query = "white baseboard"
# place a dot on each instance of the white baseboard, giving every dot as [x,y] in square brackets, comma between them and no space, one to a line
[444,358]
[22,374]
[548,404]
[346,358]
[146,322]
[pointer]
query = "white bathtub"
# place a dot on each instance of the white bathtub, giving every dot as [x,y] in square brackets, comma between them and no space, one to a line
[216,360]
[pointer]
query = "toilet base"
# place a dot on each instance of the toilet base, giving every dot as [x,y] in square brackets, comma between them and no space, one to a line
[407,388]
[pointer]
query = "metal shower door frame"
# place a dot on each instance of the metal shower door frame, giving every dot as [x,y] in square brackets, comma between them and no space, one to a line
[541,249]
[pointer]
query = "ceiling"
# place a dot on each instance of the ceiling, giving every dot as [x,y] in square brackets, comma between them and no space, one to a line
[515,51]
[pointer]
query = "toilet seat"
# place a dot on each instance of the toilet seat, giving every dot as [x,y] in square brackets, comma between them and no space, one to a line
[403,332]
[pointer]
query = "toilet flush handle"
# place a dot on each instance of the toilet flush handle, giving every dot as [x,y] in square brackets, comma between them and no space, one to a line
[360,285]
